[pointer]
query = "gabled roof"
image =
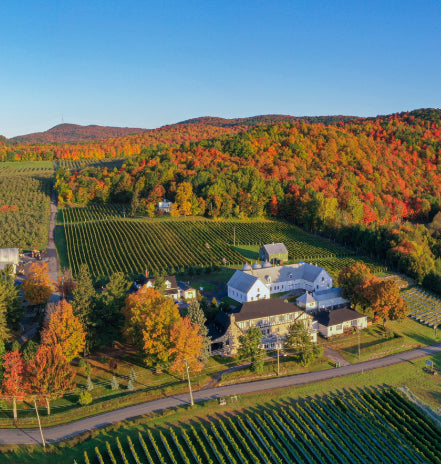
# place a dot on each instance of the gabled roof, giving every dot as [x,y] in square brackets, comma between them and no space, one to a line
[275,248]
[242,281]
[305,271]
[337,316]
[306,298]
[265,308]
[184,286]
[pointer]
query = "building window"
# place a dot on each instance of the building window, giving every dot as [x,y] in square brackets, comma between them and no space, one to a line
[339,327]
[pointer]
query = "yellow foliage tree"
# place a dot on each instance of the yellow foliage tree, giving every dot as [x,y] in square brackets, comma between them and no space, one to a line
[66,330]
[38,287]
[184,194]
[149,318]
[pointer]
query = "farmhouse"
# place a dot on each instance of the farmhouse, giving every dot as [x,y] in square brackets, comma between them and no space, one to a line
[258,282]
[164,206]
[9,256]
[274,253]
[320,300]
[185,291]
[340,321]
[273,317]
[170,285]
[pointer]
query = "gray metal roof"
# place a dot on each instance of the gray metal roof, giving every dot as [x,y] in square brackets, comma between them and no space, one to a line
[242,281]
[297,271]
[275,248]
[306,298]
[321,295]
[9,255]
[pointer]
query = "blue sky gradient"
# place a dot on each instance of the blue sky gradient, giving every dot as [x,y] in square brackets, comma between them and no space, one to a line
[149,63]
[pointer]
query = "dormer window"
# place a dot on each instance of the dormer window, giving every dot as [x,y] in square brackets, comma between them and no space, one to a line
[289,276]
[167,284]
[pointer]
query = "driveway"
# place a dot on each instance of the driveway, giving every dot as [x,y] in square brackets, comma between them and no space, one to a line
[62,432]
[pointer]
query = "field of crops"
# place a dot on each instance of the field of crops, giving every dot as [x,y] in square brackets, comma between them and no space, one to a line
[358,427]
[25,192]
[423,306]
[95,213]
[76,165]
[132,246]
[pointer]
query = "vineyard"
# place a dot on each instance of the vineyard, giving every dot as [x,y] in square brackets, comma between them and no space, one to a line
[358,427]
[76,165]
[25,192]
[108,245]
[423,306]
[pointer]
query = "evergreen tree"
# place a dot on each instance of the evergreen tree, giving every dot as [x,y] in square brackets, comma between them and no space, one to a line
[197,317]
[114,384]
[29,350]
[89,385]
[83,303]
[107,317]
[10,294]
[130,385]
[132,374]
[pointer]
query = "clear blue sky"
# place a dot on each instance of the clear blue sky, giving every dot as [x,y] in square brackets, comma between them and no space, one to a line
[150,63]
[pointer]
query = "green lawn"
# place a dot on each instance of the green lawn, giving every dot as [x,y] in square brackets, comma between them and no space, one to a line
[407,334]
[411,374]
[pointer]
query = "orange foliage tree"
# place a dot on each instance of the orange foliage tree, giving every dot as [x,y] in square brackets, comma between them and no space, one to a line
[64,329]
[186,344]
[383,299]
[38,287]
[14,385]
[50,374]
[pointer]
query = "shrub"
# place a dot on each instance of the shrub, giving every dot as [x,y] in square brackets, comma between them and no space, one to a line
[84,398]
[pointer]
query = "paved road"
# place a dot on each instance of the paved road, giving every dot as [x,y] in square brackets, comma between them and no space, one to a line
[54,434]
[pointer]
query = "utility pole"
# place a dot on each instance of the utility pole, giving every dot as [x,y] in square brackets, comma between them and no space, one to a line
[358,333]
[435,327]
[234,235]
[189,383]
[39,424]
[278,356]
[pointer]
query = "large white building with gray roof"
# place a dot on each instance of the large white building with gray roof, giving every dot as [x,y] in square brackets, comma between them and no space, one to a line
[258,281]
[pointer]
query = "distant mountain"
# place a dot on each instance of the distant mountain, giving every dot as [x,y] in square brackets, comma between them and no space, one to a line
[65,133]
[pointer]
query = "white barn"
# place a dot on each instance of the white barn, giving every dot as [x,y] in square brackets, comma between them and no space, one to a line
[258,282]
[339,321]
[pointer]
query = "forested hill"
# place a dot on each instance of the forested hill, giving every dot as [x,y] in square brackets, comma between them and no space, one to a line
[190,130]
[75,133]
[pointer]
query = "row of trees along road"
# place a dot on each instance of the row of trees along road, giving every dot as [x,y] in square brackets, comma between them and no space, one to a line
[95,319]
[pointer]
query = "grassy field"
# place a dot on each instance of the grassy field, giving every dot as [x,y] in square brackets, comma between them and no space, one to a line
[425,386]
[375,342]
[108,243]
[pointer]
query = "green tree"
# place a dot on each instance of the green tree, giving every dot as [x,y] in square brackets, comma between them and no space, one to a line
[10,296]
[107,316]
[350,278]
[83,304]
[2,353]
[29,350]
[197,317]
[299,340]
[251,348]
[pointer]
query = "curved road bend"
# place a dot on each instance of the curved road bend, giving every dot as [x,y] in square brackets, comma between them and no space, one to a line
[62,432]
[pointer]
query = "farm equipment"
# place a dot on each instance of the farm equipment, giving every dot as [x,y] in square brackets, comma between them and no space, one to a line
[36,254]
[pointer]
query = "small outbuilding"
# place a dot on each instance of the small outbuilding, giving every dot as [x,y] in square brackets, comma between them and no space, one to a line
[339,321]
[273,253]
[9,256]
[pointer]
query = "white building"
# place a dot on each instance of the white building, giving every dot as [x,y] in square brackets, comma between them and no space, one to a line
[164,206]
[258,282]
[339,321]
[9,256]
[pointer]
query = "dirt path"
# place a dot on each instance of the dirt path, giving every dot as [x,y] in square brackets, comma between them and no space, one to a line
[62,432]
